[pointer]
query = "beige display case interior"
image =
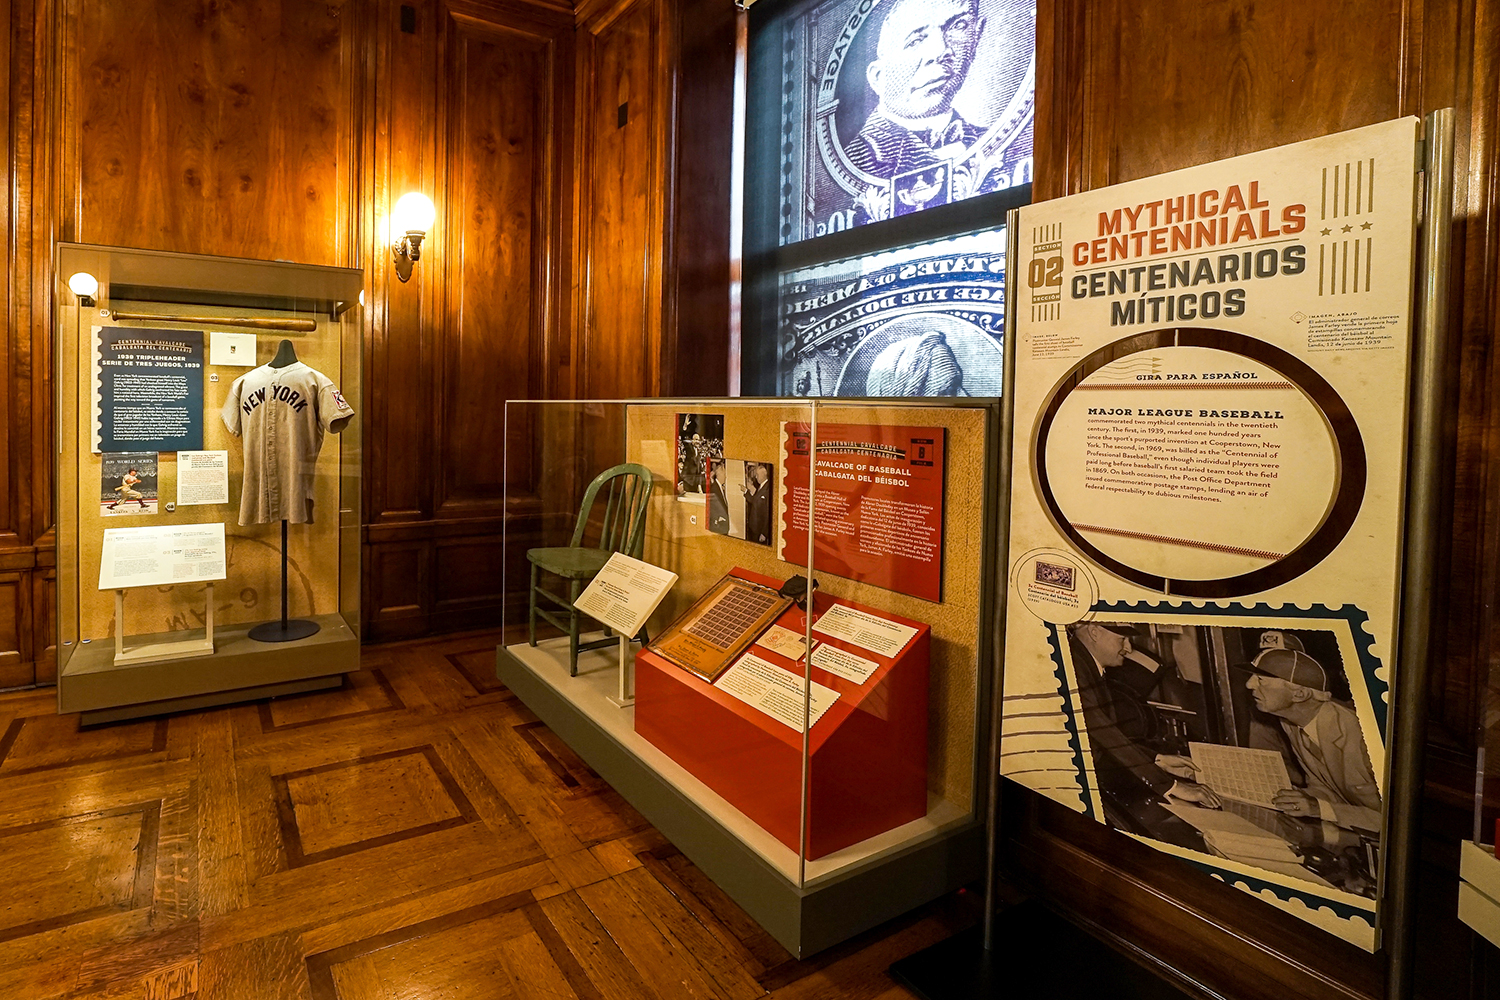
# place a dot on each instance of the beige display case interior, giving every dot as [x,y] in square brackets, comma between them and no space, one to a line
[555,448]
[322,556]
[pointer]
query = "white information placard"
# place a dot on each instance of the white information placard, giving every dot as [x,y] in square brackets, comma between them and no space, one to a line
[844,663]
[160,555]
[778,693]
[625,592]
[202,477]
[867,631]
[232,349]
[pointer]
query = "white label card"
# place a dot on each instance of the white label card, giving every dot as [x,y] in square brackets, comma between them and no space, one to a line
[625,593]
[844,663]
[160,555]
[202,477]
[779,639]
[867,631]
[237,349]
[778,693]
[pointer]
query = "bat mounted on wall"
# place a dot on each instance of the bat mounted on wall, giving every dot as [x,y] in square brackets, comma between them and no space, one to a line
[289,325]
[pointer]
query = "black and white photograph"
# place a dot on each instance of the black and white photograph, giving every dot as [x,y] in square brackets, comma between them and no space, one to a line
[1241,742]
[911,104]
[923,320]
[128,483]
[739,499]
[700,437]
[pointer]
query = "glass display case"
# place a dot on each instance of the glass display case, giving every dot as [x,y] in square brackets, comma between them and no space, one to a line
[208,479]
[669,565]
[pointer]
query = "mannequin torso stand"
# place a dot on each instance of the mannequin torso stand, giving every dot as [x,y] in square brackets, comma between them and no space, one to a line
[297,628]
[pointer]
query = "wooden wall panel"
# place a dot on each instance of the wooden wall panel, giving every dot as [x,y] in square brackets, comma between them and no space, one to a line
[26,385]
[696,315]
[280,129]
[400,142]
[14,392]
[396,577]
[15,665]
[501,200]
[213,127]
[1129,90]
[482,124]
[620,191]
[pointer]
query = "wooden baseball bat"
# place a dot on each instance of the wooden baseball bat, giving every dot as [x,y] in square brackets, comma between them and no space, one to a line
[291,325]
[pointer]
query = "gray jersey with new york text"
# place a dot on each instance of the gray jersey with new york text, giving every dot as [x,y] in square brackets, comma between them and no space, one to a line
[282,414]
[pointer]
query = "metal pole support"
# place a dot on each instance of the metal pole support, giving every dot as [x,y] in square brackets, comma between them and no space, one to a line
[1425,469]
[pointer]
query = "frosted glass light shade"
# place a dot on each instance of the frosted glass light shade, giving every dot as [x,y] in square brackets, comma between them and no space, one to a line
[414,213]
[83,285]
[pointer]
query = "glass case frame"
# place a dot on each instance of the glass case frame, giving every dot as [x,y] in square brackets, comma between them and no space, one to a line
[808,884]
[189,643]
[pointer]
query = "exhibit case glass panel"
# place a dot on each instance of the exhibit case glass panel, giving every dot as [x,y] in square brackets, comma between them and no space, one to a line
[208,479]
[693,528]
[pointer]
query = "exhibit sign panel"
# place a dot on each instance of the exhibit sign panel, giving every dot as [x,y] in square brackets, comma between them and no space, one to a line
[1211,403]
[149,386]
[878,506]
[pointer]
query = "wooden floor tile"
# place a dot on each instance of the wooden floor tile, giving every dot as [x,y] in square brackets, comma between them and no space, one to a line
[77,868]
[365,693]
[47,742]
[367,801]
[413,835]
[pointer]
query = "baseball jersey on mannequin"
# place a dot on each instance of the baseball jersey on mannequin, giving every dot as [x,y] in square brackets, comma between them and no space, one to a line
[282,414]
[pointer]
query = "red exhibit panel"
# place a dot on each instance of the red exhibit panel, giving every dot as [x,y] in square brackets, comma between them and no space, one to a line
[868,752]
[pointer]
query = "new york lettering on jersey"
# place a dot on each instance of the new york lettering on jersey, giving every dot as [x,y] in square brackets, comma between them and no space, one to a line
[282,414]
[286,395]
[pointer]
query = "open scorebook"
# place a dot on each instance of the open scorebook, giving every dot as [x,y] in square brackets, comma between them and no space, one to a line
[1241,773]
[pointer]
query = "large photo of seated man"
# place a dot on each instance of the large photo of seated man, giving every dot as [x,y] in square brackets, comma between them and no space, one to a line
[1294,788]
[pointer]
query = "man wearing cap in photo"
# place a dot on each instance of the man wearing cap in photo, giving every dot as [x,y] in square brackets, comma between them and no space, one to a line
[1324,736]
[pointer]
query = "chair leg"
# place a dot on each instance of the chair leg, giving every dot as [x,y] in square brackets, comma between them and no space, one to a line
[573,588]
[531,623]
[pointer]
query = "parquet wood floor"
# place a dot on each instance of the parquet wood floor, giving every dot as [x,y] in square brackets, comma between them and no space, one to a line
[415,835]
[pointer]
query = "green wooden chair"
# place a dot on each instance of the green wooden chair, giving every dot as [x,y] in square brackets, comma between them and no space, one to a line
[623,529]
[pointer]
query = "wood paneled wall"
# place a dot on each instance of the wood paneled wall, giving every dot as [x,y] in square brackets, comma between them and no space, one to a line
[282,129]
[1128,90]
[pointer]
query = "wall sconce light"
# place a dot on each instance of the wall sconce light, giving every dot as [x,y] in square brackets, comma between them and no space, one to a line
[85,286]
[412,216]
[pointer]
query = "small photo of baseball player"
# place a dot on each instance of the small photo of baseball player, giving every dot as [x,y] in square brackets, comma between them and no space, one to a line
[128,483]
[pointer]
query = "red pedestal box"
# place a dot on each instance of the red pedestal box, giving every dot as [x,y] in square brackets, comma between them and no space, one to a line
[868,770]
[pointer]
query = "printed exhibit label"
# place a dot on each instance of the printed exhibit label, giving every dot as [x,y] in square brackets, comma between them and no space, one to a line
[1209,477]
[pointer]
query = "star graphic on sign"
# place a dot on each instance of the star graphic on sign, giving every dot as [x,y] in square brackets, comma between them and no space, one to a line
[1367,225]
[1346,229]
[1327,232]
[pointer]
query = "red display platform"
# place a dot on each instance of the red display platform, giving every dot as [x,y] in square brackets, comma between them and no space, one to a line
[868,768]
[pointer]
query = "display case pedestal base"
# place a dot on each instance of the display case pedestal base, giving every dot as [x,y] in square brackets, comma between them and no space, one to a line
[832,907]
[238,669]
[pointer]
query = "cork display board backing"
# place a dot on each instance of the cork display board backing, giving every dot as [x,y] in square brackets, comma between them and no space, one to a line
[678,539]
[251,591]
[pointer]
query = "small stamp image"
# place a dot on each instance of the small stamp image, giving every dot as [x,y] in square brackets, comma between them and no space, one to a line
[1053,575]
